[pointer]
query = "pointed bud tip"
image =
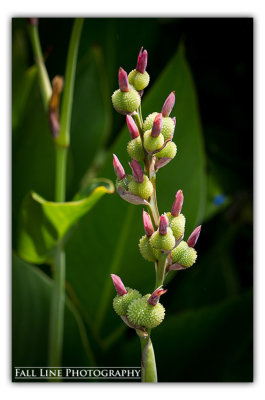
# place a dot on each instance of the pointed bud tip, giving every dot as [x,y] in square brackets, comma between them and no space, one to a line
[123,80]
[118,284]
[192,240]
[118,168]
[137,171]
[163,225]
[134,132]
[157,125]
[169,104]
[177,205]
[154,298]
[148,226]
[142,61]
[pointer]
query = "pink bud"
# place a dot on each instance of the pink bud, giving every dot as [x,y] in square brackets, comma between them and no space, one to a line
[154,298]
[148,226]
[192,240]
[163,225]
[132,127]
[118,168]
[168,105]
[137,171]
[142,61]
[123,81]
[174,120]
[177,205]
[157,125]
[119,286]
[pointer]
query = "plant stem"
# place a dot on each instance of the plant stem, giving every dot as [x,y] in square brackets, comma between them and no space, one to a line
[161,267]
[148,362]
[45,85]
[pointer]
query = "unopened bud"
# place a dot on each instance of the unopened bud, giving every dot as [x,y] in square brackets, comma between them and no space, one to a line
[137,171]
[123,81]
[118,168]
[119,286]
[168,105]
[142,61]
[177,205]
[163,225]
[154,298]
[148,226]
[192,240]
[157,125]
[132,127]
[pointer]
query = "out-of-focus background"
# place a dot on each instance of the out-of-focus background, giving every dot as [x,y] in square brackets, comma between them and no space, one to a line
[208,331]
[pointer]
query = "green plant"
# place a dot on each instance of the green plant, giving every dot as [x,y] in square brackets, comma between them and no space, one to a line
[163,241]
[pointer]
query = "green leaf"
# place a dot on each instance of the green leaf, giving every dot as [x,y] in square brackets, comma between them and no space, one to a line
[31,296]
[43,223]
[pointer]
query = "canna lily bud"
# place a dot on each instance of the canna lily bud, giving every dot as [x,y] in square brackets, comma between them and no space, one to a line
[192,240]
[132,127]
[123,81]
[177,205]
[157,126]
[154,298]
[148,226]
[142,61]
[119,286]
[118,168]
[163,225]
[137,171]
[168,105]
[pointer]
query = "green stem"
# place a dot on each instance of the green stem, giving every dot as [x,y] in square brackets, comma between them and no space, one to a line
[60,173]
[161,267]
[45,85]
[148,362]
[63,138]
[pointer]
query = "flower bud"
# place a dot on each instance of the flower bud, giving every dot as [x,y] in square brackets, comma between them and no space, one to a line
[163,239]
[132,127]
[192,240]
[154,298]
[119,286]
[148,226]
[141,313]
[139,77]
[118,168]
[177,205]
[123,81]
[142,61]
[168,105]
[137,171]
[157,125]
[151,143]
[184,255]
[121,303]
[163,225]
[168,125]
[169,151]
[143,190]
[125,101]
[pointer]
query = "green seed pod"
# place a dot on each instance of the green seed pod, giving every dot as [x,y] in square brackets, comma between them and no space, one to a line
[121,303]
[170,150]
[126,102]
[135,149]
[145,249]
[177,224]
[163,242]
[138,80]
[141,313]
[184,255]
[168,125]
[143,190]
[153,143]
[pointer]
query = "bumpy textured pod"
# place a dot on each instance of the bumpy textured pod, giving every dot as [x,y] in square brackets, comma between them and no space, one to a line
[147,251]
[135,149]
[140,312]
[126,102]
[169,151]
[138,80]
[163,242]
[143,190]
[184,255]
[152,143]
[121,303]
[177,224]
[168,125]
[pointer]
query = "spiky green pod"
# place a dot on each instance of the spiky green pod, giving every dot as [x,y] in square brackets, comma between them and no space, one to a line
[143,190]
[135,149]
[153,143]
[126,102]
[163,242]
[170,150]
[121,303]
[184,255]
[145,249]
[168,125]
[177,224]
[138,80]
[141,313]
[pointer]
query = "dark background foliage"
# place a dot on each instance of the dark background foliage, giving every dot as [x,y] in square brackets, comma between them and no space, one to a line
[208,334]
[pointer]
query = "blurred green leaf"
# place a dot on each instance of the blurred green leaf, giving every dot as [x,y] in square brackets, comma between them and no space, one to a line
[114,228]
[43,223]
[31,296]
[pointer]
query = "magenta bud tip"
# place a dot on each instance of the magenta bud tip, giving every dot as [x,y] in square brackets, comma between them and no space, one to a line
[137,171]
[148,226]
[123,81]
[142,61]
[118,168]
[177,205]
[132,127]
[154,298]
[157,125]
[163,225]
[168,105]
[119,286]
[192,240]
